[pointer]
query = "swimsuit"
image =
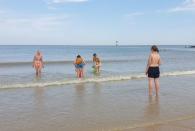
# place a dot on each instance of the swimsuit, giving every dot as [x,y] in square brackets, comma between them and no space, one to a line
[79,63]
[38,63]
[154,72]
[79,66]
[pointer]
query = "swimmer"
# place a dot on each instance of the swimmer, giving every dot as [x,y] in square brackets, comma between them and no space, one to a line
[38,63]
[96,63]
[79,65]
[153,70]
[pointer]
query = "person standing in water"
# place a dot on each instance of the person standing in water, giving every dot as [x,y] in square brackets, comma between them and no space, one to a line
[153,70]
[96,63]
[79,65]
[38,63]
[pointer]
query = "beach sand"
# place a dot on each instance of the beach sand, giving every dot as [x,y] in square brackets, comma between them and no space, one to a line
[106,106]
[182,125]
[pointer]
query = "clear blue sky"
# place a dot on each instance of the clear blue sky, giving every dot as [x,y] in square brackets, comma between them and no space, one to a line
[97,21]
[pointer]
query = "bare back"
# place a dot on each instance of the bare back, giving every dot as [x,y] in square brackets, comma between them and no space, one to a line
[154,60]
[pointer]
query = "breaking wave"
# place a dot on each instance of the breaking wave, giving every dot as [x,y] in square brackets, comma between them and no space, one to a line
[94,80]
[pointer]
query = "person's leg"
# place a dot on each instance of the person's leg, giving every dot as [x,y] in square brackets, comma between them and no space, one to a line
[157,86]
[78,73]
[82,72]
[77,70]
[150,83]
[37,71]
[98,69]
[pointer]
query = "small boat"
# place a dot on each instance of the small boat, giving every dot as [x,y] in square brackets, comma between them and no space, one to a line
[192,46]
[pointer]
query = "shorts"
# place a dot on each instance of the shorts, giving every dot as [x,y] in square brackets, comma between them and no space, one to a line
[79,66]
[153,72]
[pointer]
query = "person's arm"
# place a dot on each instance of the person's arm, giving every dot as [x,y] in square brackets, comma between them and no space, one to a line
[100,63]
[159,62]
[84,61]
[148,64]
[93,59]
[33,63]
[74,63]
[42,61]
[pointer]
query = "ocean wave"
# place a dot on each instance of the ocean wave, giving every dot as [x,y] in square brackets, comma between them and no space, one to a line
[178,49]
[25,63]
[94,80]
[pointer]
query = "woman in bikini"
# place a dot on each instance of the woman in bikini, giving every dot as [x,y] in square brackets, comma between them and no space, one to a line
[153,70]
[79,65]
[38,63]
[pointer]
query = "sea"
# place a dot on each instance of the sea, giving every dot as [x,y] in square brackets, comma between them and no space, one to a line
[115,100]
[118,63]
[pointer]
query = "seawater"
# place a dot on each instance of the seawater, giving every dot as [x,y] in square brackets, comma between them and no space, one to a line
[118,63]
[99,106]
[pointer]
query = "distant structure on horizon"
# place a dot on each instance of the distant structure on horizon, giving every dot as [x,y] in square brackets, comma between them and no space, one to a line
[117,43]
[190,46]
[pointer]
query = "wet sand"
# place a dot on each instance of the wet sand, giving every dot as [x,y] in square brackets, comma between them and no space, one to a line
[109,106]
[177,125]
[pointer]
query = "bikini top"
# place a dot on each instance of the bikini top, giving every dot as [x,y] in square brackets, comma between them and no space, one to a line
[38,58]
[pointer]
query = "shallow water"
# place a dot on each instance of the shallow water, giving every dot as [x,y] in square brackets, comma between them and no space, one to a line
[16,66]
[116,99]
[96,106]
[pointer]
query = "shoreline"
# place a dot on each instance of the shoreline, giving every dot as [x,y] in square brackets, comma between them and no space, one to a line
[105,79]
[122,105]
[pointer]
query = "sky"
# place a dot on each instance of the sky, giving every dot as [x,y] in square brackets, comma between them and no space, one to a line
[97,22]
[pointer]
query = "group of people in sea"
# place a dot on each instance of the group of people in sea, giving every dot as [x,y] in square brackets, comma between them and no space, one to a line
[79,64]
[152,68]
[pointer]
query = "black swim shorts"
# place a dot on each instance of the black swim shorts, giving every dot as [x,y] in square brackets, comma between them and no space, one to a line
[153,72]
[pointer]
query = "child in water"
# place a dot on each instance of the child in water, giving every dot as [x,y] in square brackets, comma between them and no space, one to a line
[96,63]
[153,70]
[79,65]
[38,63]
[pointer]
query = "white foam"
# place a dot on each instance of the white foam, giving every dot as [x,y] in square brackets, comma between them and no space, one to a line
[178,73]
[94,80]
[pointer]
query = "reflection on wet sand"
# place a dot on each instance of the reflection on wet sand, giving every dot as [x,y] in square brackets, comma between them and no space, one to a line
[37,78]
[39,99]
[79,99]
[97,88]
[152,112]
[153,107]
[80,90]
